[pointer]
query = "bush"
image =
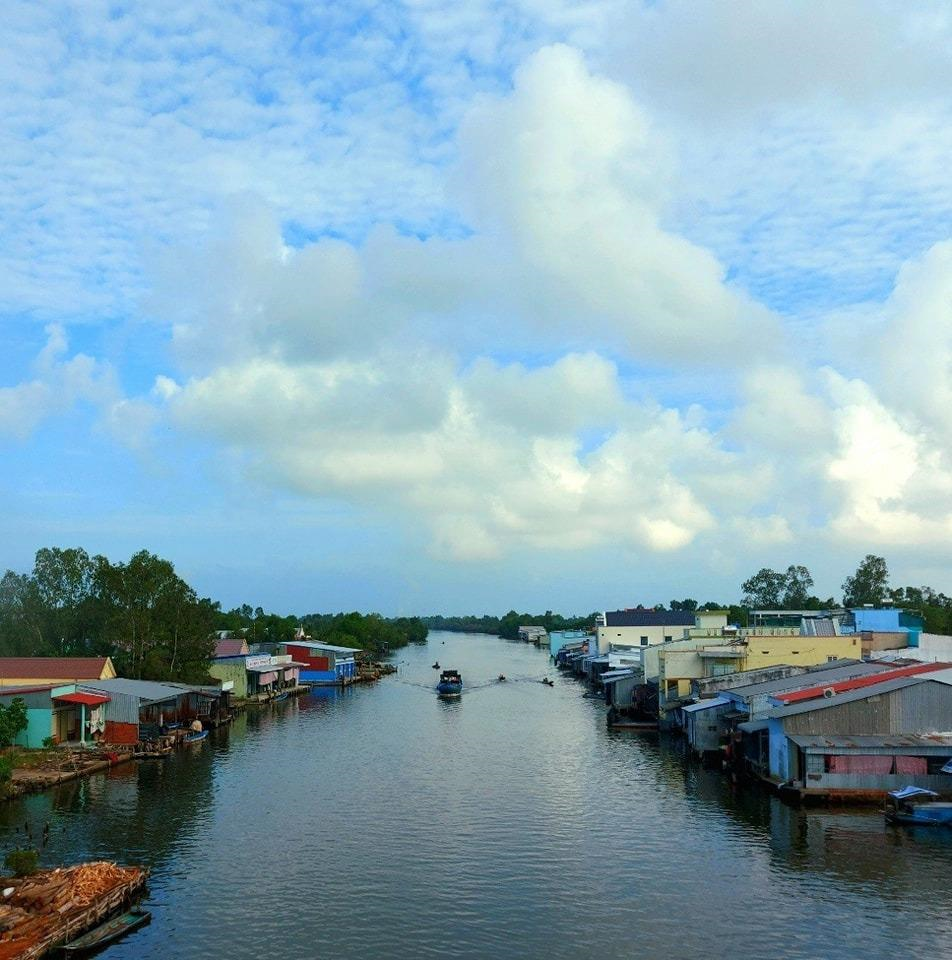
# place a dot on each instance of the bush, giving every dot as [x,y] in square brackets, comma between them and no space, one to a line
[22,862]
[49,743]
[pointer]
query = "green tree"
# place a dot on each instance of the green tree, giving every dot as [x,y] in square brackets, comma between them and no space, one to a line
[764,590]
[870,583]
[797,585]
[13,720]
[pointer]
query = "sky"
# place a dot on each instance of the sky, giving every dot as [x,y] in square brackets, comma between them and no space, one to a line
[434,306]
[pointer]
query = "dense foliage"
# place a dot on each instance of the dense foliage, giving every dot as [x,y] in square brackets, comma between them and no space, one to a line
[371,632]
[141,613]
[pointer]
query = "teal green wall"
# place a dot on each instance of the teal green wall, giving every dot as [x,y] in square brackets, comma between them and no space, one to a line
[39,727]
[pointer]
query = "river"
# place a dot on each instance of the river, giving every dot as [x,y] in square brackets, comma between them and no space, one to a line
[382,822]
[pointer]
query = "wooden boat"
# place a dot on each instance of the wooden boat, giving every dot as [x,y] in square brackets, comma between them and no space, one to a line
[451,684]
[912,807]
[195,736]
[107,932]
[281,697]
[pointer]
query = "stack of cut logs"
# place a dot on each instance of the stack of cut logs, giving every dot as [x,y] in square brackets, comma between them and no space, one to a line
[42,908]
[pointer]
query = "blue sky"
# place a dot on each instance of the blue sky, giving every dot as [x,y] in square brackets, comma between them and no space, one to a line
[427,306]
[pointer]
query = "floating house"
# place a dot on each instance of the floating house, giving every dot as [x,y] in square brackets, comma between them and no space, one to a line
[322,664]
[33,671]
[138,709]
[810,741]
[724,702]
[558,639]
[532,633]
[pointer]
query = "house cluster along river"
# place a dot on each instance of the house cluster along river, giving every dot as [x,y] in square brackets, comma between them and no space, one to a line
[385,822]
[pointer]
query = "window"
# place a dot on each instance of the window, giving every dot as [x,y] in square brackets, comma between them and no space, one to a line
[831,659]
[666,638]
[644,641]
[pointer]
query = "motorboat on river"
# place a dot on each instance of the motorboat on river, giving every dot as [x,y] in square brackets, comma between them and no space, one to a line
[917,807]
[450,685]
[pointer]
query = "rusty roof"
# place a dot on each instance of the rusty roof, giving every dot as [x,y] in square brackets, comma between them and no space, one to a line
[53,668]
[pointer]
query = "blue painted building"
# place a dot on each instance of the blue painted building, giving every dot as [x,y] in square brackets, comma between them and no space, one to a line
[562,638]
[323,663]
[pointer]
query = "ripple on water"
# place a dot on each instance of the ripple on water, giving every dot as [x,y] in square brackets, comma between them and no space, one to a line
[384,822]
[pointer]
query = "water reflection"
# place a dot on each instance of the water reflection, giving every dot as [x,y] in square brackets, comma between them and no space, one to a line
[372,821]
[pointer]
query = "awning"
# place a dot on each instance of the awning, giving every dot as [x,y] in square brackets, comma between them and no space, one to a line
[89,699]
[706,704]
[753,726]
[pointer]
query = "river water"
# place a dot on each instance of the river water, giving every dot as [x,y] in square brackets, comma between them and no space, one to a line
[382,822]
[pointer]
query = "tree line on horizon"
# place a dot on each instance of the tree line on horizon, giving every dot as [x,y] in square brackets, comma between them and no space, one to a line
[767,589]
[150,621]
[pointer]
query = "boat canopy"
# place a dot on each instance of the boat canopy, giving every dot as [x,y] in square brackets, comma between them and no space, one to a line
[906,792]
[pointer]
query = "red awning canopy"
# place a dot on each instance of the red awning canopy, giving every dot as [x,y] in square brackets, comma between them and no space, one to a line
[90,699]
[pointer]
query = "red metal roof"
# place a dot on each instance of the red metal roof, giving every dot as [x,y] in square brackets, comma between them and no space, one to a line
[231,648]
[90,699]
[56,668]
[859,682]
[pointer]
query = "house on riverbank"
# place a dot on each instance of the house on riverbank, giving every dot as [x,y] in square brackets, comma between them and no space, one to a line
[820,741]
[33,671]
[322,664]
[56,712]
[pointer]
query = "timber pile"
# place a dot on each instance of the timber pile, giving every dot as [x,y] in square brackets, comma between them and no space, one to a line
[49,908]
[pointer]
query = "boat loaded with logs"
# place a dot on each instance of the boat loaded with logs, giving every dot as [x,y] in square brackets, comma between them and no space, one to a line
[44,912]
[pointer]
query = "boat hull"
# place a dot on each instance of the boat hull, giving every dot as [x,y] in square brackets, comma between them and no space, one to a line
[918,820]
[449,689]
[106,933]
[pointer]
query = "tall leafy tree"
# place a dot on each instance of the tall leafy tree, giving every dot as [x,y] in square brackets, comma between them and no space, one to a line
[764,589]
[870,583]
[797,585]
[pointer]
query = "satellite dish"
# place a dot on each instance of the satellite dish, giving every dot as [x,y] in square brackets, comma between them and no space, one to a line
[829,692]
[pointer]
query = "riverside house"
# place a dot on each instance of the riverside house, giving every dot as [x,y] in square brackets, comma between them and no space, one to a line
[56,712]
[31,671]
[322,664]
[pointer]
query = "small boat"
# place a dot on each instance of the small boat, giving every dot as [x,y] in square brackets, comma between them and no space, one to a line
[450,685]
[912,807]
[502,677]
[107,932]
[436,666]
[280,697]
[195,736]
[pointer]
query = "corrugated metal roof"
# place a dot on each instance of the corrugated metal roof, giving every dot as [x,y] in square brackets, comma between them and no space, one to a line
[705,704]
[859,682]
[311,645]
[822,703]
[838,670]
[58,668]
[145,690]
[231,648]
[884,740]
[753,726]
[610,676]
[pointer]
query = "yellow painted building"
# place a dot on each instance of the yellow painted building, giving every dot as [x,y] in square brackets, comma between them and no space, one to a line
[675,665]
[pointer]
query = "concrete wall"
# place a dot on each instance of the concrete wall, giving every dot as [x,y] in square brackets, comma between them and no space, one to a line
[766,651]
[632,636]
[231,670]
